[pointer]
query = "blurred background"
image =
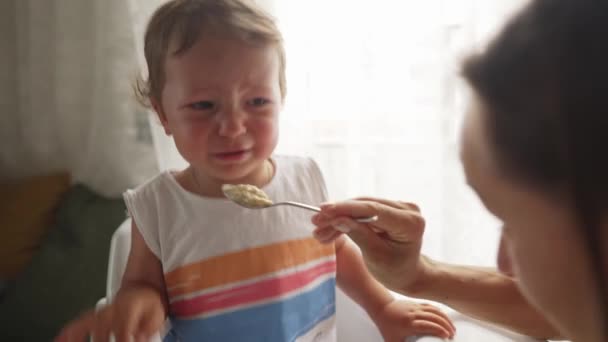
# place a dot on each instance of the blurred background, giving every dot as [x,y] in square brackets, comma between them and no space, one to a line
[374,95]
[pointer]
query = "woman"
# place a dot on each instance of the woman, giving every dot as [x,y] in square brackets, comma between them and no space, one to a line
[534,150]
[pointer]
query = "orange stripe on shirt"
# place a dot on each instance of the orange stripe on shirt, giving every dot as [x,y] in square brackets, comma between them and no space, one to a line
[243,265]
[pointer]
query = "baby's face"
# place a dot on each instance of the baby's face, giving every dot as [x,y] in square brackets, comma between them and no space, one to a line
[220,102]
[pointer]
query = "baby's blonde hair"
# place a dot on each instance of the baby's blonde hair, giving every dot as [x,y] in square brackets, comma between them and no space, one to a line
[178,24]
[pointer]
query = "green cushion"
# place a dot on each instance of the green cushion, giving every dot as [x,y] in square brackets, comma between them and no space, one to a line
[68,274]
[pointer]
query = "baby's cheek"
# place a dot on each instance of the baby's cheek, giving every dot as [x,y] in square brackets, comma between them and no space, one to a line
[267,134]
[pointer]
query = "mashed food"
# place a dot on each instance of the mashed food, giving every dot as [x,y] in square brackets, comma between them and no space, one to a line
[246,195]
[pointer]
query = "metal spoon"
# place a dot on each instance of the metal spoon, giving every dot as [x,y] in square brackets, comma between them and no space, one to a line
[263,205]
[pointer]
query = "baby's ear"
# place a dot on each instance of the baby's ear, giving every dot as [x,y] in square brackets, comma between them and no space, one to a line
[160,113]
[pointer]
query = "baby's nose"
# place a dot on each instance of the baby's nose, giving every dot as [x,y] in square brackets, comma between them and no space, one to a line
[232,124]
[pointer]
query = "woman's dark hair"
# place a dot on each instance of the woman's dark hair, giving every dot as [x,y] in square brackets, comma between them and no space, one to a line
[544,82]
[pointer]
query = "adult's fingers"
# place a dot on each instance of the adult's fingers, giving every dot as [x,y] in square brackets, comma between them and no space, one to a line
[361,233]
[326,235]
[391,203]
[397,221]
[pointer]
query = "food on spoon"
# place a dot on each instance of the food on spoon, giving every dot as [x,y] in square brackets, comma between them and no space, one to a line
[246,195]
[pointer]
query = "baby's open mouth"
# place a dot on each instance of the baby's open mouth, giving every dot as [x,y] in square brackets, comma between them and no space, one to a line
[232,155]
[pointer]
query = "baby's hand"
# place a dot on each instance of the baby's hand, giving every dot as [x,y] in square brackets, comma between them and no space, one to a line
[400,319]
[136,312]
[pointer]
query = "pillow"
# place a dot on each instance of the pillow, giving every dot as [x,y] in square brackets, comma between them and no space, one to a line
[68,275]
[27,211]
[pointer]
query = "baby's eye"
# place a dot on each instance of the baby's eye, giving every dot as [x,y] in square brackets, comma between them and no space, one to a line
[258,102]
[202,105]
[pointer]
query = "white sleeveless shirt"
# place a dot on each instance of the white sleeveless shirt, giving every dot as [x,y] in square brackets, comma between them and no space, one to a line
[237,274]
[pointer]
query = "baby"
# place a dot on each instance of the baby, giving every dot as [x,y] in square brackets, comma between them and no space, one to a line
[215,270]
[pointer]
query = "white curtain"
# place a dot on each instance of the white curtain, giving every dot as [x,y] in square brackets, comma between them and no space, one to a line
[67,70]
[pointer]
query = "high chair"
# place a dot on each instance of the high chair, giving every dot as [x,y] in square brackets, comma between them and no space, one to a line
[119,253]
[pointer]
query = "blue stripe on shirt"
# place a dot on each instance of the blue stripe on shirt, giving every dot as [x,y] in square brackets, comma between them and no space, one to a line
[280,321]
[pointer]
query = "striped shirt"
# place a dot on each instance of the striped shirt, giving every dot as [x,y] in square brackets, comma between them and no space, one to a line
[234,274]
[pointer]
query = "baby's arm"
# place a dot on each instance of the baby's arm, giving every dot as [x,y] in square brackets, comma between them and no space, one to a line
[354,279]
[143,268]
[396,319]
[139,308]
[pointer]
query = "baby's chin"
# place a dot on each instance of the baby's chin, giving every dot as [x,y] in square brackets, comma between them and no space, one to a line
[246,173]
